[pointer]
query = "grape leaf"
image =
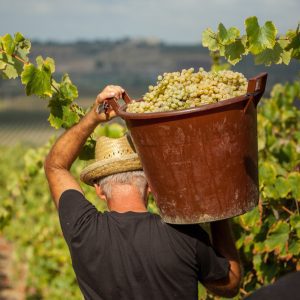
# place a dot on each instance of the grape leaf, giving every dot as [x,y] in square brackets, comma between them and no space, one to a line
[67,89]
[2,64]
[269,56]
[8,44]
[209,40]
[294,44]
[47,63]
[286,55]
[267,173]
[277,55]
[294,180]
[227,36]
[295,223]
[277,237]
[234,52]
[19,37]
[10,67]
[294,247]
[61,114]
[260,38]
[250,220]
[88,150]
[70,117]
[282,186]
[9,72]
[37,80]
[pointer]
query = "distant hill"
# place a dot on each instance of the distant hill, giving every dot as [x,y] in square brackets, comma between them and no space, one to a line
[134,64]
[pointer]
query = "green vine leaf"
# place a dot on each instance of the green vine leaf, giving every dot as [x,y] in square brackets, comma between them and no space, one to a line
[8,44]
[267,173]
[37,79]
[88,150]
[10,67]
[251,220]
[234,51]
[48,63]
[294,181]
[282,186]
[2,65]
[277,237]
[295,223]
[227,36]
[260,38]
[269,56]
[209,40]
[9,72]
[294,247]
[294,45]
[67,89]
[61,114]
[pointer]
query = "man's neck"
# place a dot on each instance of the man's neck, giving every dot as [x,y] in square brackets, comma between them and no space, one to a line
[124,199]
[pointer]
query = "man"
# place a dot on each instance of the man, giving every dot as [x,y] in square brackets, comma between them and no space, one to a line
[128,253]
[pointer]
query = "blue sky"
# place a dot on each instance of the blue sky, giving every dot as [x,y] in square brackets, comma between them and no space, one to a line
[173,21]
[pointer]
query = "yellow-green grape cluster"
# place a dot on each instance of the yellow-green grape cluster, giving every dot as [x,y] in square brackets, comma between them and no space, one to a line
[186,89]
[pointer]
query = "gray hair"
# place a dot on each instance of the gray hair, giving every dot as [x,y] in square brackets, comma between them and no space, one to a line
[136,178]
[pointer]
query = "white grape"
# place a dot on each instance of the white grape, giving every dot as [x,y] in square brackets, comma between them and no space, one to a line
[187,89]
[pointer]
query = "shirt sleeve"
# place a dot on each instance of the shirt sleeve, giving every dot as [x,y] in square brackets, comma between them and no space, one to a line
[75,211]
[212,266]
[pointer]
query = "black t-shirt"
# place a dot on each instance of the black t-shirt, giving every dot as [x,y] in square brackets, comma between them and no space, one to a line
[285,288]
[135,255]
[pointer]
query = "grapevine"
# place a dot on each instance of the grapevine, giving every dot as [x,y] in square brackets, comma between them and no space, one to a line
[38,80]
[262,42]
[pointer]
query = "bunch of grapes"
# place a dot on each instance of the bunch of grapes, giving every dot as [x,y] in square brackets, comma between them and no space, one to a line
[186,89]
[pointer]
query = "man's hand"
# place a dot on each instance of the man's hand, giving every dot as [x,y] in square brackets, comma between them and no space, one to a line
[68,146]
[111,91]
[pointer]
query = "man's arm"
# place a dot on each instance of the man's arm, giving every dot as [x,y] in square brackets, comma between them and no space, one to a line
[66,149]
[223,242]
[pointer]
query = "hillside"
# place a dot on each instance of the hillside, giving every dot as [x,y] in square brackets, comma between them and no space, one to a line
[134,64]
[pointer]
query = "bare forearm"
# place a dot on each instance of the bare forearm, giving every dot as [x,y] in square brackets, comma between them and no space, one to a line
[224,243]
[67,147]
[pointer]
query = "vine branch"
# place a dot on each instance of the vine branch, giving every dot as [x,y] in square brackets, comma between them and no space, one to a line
[16,57]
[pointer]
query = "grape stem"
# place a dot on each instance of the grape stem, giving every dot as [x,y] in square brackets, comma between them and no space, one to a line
[16,57]
[287,210]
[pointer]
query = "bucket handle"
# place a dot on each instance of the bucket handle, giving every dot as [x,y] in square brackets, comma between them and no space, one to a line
[112,104]
[256,88]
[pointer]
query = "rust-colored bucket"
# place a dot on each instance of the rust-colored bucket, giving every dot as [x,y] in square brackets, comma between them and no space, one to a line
[201,163]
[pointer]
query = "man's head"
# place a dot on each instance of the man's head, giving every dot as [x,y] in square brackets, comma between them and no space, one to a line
[131,186]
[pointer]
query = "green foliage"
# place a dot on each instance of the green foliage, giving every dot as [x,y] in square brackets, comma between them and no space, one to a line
[261,41]
[268,236]
[29,219]
[38,80]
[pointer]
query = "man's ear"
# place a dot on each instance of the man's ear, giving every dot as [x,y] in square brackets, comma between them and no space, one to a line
[99,192]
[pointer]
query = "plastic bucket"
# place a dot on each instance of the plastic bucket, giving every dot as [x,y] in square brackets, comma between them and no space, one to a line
[201,163]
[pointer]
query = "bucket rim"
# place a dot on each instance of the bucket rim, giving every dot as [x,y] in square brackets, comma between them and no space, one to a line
[172,113]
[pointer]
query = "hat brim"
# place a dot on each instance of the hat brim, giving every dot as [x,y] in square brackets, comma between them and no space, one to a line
[110,166]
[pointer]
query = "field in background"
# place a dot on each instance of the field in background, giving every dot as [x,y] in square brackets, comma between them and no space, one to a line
[24,121]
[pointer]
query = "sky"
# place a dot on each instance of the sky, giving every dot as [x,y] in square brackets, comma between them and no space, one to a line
[172,21]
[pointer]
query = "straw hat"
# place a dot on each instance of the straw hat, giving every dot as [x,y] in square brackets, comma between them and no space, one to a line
[111,156]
